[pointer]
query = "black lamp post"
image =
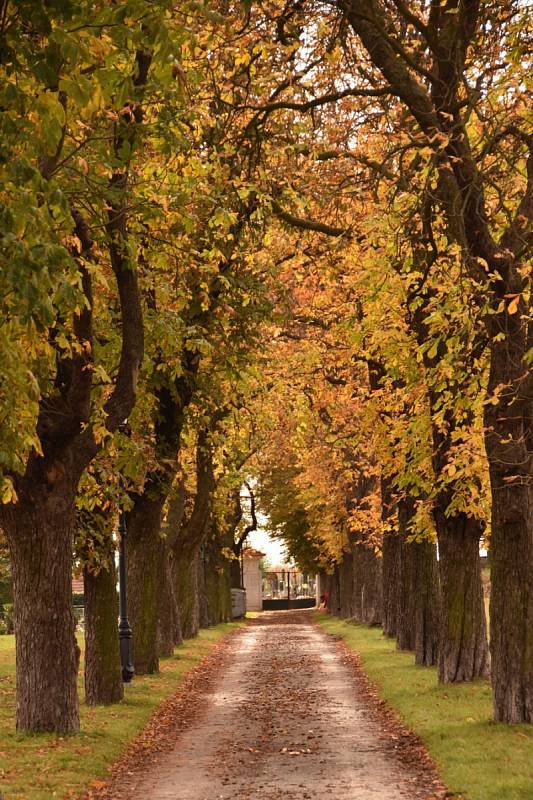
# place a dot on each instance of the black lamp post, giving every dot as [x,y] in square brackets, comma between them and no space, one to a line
[124,628]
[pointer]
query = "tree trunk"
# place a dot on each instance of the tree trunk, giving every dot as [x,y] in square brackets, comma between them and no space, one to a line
[103,678]
[39,531]
[201,565]
[509,444]
[390,558]
[418,604]
[345,586]
[236,573]
[511,603]
[390,574]
[189,580]
[427,603]
[173,522]
[463,648]
[178,635]
[212,583]
[144,546]
[367,582]
[218,579]
[186,584]
[334,583]
[167,618]
[406,598]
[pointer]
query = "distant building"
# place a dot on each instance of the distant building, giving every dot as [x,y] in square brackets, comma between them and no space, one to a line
[252,578]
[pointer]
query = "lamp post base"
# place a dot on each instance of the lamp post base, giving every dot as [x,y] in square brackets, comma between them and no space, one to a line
[124,635]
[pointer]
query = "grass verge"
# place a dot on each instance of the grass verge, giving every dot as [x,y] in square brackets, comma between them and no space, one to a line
[477,758]
[44,766]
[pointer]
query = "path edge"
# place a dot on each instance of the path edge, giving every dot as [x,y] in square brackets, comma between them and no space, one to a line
[405,744]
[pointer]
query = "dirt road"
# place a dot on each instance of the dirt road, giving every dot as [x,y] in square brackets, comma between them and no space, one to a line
[284,719]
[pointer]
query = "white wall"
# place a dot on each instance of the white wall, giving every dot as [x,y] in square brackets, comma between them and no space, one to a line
[253,584]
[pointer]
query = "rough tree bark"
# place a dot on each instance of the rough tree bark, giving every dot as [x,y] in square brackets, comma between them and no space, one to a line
[203,603]
[218,570]
[428,604]
[186,587]
[187,544]
[463,647]
[144,546]
[345,596]
[103,678]
[390,572]
[334,583]
[40,528]
[168,622]
[418,599]
[406,597]
[367,585]
[390,566]
[509,444]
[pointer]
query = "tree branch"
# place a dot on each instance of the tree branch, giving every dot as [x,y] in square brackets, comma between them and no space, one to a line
[362,16]
[308,224]
[252,526]
[332,97]
[122,399]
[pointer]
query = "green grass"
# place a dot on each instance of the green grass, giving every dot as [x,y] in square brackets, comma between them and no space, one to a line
[477,758]
[46,766]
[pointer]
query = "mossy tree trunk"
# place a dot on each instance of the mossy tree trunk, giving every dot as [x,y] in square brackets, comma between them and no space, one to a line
[39,529]
[390,550]
[427,604]
[187,563]
[218,577]
[418,593]
[367,596]
[168,624]
[203,603]
[185,567]
[509,444]
[144,564]
[334,584]
[463,647]
[236,574]
[103,678]
[345,597]
[390,575]
[168,607]
[406,597]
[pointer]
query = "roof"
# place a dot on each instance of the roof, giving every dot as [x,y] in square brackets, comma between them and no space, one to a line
[277,568]
[249,552]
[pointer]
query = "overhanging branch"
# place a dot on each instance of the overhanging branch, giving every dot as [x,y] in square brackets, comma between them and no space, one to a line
[308,224]
[316,102]
[252,526]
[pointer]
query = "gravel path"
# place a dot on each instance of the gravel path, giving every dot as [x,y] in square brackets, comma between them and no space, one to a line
[283,719]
